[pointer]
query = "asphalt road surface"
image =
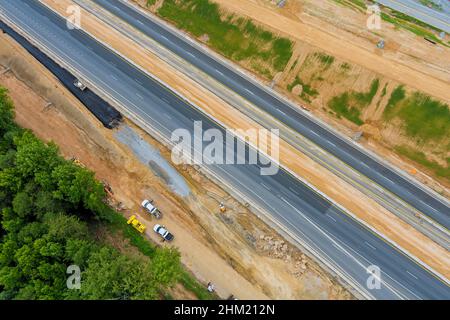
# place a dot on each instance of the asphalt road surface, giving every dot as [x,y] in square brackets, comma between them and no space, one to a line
[332,235]
[384,176]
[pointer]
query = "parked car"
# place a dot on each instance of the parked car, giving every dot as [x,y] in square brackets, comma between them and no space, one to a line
[163,232]
[147,205]
[136,224]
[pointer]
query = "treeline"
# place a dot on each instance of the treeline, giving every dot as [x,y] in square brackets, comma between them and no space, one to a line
[47,205]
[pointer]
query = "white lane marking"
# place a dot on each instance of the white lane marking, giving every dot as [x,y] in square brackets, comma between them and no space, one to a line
[412,275]
[377,187]
[423,202]
[266,187]
[167,116]
[369,245]
[140,22]
[336,246]
[192,55]
[331,218]
[139,96]
[356,173]
[281,111]
[286,201]
[249,91]
[294,191]
[219,72]
[387,179]
[329,142]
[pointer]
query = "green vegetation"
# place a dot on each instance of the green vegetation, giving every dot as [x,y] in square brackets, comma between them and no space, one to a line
[345,66]
[413,25]
[307,91]
[236,38]
[350,104]
[367,97]
[325,59]
[431,4]
[424,118]
[384,91]
[354,4]
[341,105]
[119,225]
[400,20]
[397,95]
[420,158]
[150,2]
[48,208]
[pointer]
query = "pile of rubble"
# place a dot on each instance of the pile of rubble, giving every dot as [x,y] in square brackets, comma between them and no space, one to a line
[281,250]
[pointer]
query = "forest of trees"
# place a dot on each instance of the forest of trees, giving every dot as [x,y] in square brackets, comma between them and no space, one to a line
[47,205]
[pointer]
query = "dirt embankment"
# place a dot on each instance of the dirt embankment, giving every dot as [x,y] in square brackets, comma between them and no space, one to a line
[235,250]
[356,202]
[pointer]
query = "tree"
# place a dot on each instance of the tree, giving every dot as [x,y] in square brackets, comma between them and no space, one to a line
[41,234]
[6,112]
[113,276]
[166,266]
[79,251]
[35,158]
[22,204]
[45,203]
[62,227]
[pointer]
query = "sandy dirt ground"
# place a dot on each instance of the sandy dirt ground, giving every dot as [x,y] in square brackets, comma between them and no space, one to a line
[316,32]
[342,22]
[357,203]
[234,250]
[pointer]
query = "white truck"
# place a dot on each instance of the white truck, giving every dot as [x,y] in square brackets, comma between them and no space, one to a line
[150,208]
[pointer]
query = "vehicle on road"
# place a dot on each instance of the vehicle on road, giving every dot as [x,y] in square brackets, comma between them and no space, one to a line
[135,223]
[163,232]
[77,83]
[150,208]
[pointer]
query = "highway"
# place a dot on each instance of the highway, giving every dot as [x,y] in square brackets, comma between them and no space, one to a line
[329,233]
[440,20]
[383,175]
[140,31]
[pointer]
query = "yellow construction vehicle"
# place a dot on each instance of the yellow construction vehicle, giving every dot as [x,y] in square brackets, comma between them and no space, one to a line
[136,224]
[77,162]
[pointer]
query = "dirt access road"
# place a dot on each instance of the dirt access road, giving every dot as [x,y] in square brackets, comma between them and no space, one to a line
[236,251]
